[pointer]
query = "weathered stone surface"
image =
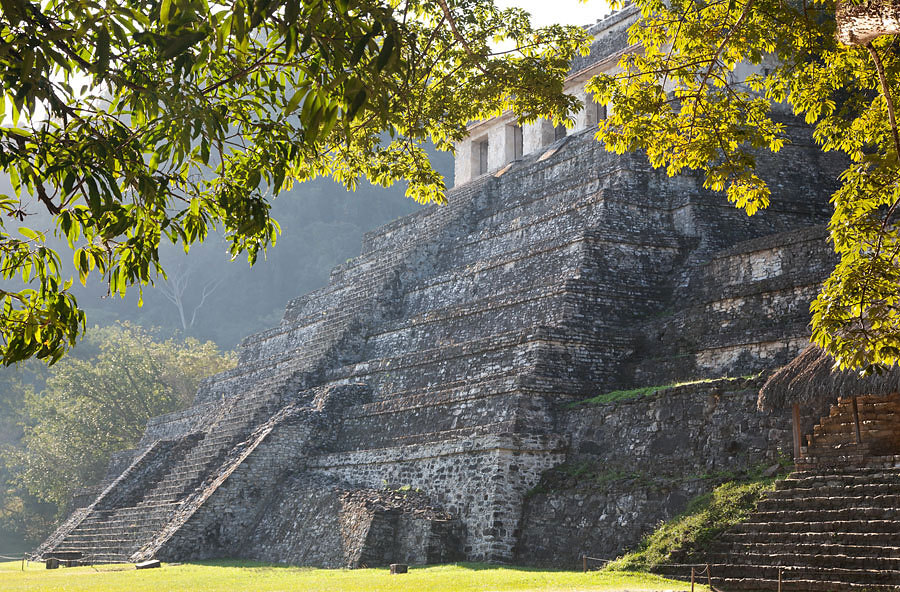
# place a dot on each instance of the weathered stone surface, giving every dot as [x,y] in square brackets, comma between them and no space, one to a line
[634,463]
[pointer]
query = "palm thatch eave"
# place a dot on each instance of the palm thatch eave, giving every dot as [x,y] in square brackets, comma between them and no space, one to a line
[811,378]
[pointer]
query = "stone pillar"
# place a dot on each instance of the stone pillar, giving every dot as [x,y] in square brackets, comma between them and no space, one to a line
[537,135]
[502,145]
[462,172]
[592,113]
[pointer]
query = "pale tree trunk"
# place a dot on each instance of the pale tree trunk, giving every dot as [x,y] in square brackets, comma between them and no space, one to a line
[175,290]
[858,24]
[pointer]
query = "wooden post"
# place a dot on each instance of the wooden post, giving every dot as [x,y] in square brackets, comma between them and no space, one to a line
[795,416]
[856,420]
[584,563]
[708,577]
[692,579]
[779,579]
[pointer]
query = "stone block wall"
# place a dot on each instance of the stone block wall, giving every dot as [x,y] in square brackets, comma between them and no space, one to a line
[745,310]
[634,463]
[480,479]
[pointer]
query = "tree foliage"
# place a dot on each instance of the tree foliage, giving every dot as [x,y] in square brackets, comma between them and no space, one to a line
[689,100]
[93,406]
[141,121]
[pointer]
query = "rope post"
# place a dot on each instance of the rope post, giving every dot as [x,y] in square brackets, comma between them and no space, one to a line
[692,579]
[584,563]
[708,577]
[23,561]
[779,579]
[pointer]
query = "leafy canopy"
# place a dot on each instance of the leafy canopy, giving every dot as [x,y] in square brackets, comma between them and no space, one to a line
[689,100]
[139,121]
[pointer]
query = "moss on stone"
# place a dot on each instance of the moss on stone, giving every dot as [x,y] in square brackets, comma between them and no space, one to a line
[706,517]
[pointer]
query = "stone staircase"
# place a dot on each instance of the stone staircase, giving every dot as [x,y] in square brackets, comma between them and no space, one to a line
[122,520]
[833,524]
[111,536]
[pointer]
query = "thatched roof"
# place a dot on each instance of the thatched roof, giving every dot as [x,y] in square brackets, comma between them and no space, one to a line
[811,377]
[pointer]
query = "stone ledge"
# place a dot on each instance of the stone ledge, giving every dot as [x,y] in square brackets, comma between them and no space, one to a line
[490,443]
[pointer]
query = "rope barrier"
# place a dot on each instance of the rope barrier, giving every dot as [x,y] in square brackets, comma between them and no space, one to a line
[585,558]
[697,569]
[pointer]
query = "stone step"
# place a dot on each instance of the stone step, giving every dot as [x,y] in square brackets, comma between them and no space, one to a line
[115,528]
[102,522]
[775,548]
[871,434]
[97,556]
[869,400]
[834,576]
[886,407]
[814,515]
[840,475]
[846,426]
[888,502]
[836,526]
[865,413]
[837,460]
[863,539]
[816,559]
[862,490]
[445,392]
[799,585]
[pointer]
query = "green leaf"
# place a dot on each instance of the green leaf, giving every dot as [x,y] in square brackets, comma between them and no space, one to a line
[164,8]
[176,46]
[360,48]
[295,101]
[103,50]
[384,56]
[358,101]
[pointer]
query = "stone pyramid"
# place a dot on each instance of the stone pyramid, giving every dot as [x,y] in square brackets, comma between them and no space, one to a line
[408,410]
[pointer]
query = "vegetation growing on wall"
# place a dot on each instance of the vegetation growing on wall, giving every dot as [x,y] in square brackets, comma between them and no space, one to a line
[643,391]
[706,516]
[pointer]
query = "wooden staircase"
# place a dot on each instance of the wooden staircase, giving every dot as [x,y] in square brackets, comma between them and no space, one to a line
[833,524]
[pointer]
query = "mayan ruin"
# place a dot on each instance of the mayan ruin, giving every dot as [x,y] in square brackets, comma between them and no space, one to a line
[424,406]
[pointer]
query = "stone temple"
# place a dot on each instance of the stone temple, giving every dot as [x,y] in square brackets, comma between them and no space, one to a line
[423,406]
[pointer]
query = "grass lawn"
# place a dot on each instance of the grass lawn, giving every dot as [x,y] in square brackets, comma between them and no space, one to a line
[232,576]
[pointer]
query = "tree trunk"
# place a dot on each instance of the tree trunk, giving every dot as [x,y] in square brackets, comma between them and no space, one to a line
[858,24]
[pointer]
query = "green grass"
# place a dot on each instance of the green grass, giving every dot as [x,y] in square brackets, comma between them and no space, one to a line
[705,517]
[233,576]
[643,391]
